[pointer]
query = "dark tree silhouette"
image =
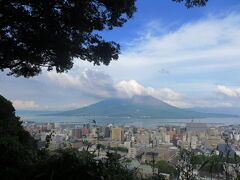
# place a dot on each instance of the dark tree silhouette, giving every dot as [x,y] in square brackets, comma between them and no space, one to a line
[18,148]
[50,33]
[36,34]
[192,3]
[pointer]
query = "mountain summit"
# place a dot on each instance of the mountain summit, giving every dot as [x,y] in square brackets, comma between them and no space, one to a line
[138,107]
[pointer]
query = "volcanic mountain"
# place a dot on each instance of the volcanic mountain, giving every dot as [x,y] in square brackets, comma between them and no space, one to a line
[138,107]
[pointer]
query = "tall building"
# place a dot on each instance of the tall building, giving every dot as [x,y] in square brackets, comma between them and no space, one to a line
[117,134]
[107,132]
[77,133]
[167,139]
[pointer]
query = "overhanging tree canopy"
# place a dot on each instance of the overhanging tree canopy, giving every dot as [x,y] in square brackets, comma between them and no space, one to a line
[40,33]
[50,33]
[192,3]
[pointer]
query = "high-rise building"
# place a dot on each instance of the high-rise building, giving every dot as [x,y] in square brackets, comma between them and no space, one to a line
[117,134]
[77,133]
[107,132]
[167,139]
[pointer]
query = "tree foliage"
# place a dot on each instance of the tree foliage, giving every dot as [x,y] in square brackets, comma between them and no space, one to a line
[165,167]
[186,166]
[71,164]
[36,34]
[121,149]
[192,3]
[17,147]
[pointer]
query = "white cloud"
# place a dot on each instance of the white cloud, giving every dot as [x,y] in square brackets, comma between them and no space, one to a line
[71,106]
[228,91]
[209,39]
[208,44]
[131,88]
[63,107]
[100,84]
[29,105]
[199,103]
[19,104]
[89,81]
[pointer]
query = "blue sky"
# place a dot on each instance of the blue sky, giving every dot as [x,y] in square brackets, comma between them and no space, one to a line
[185,57]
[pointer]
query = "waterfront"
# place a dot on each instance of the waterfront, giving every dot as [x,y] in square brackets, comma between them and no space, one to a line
[140,122]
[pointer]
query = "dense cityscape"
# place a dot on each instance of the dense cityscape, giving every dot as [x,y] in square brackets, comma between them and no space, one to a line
[119,90]
[141,145]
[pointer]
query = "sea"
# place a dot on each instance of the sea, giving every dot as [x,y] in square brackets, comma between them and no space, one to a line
[40,117]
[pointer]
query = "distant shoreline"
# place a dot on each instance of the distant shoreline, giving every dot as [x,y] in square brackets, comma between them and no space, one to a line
[145,122]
